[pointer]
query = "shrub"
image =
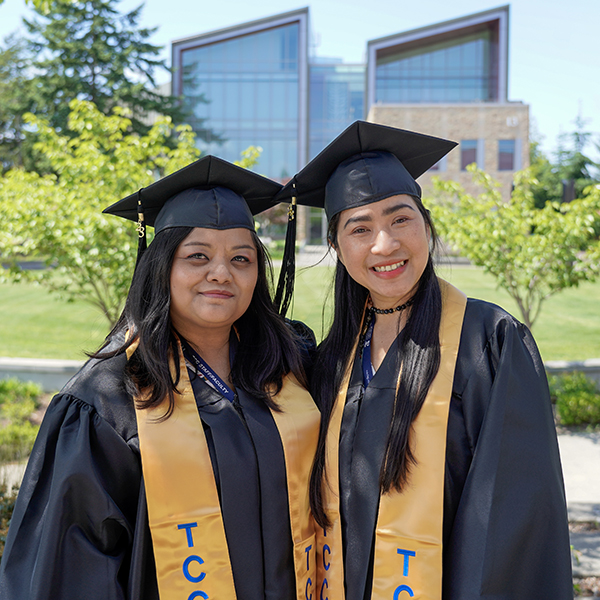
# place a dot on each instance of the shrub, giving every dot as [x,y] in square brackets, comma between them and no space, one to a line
[18,400]
[7,504]
[577,399]
[16,441]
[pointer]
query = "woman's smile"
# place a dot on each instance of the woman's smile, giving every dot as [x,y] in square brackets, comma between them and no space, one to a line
[213,278]
[385,247]
[218,294]
[390,268]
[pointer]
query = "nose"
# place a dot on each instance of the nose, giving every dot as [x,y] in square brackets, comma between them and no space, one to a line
[219,272]
[385,243]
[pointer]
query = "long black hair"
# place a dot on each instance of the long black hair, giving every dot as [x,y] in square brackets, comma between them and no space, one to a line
[418,356]
[268,349]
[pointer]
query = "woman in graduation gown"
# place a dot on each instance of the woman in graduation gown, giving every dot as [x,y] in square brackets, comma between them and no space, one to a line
[176,463]
[437,473]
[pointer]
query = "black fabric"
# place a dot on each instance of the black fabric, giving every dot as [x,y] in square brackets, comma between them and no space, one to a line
[235,464]
[274,518]
[185,198]
[417,153]
[366,178]
[305,342]
[217,208]
[80,525]
[505,523]
[363,439]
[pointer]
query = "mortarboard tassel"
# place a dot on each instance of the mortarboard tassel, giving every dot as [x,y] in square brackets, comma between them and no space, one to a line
[285,285]
[141,228]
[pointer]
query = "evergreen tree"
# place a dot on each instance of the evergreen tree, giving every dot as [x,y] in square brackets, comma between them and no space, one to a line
[86,49]
[571,171]
[17,97]
[572,162]
[549,186]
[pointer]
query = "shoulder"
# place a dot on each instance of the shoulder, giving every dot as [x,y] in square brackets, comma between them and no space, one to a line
[99,388]
[484,321]
[304,335]
[490,333]
[306,343]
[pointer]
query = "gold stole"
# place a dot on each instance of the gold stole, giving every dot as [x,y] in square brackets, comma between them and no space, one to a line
[408,534]
[188,536]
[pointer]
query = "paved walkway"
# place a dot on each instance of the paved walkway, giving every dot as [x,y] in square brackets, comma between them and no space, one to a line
[580,455]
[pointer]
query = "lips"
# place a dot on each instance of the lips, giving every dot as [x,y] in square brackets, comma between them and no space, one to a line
[217,294]
[387,268]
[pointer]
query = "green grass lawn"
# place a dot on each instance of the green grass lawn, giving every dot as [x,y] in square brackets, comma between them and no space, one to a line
[568,327]
[36,324]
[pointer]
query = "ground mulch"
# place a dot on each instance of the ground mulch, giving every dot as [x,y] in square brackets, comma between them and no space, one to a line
[587,587]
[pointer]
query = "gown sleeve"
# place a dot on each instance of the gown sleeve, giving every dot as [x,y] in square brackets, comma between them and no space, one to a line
[505,524]
[72,530]
[306,343]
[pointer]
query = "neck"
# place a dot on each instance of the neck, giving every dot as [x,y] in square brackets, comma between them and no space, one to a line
[386,330]
[213,347]
[387,305]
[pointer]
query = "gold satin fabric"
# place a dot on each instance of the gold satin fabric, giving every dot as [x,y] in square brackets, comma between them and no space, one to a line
[190,547]
[408,535]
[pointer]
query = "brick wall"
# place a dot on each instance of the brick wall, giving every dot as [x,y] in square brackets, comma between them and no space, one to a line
[486,122]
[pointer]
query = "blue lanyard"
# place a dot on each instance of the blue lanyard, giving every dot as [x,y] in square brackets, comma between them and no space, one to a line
[207,373]
[367,365]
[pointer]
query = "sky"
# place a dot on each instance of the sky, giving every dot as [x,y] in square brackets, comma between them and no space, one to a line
[554,62]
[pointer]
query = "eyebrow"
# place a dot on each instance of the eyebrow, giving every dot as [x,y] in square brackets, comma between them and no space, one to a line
[388,211]
[205,245]
[392,209]
[359,219]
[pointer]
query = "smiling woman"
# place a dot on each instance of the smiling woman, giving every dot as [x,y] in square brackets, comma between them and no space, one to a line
[212,280]
[437,472]
[169,465]
[385,247]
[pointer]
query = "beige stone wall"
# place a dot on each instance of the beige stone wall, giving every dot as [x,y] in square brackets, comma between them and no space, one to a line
[490,122]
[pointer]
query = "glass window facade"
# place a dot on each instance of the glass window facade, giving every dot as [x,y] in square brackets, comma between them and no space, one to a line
[506,155]
[244,91]
[337,95]
[468,153]
[451,71]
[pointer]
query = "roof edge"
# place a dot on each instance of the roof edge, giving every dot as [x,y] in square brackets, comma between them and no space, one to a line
[239,29]
[435,28]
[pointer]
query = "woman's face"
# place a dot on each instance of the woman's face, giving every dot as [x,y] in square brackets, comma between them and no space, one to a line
[213,277]
[385,247]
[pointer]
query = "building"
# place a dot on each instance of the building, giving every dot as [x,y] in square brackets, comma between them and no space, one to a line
[451,79]
[257,84]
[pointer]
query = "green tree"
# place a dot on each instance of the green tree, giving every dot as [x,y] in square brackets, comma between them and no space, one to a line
[549,185]
[572,163]
[17,96]
[44,6]
[86,49]
[533,253]
[570,168]
[58,216]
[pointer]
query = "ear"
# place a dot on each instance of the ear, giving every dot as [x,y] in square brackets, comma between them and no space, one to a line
[429,239]
[336,249]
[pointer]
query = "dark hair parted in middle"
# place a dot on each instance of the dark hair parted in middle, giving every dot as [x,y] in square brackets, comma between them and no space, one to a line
[418,358]
[268,348]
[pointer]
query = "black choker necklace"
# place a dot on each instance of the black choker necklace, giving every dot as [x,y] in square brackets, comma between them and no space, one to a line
[387,311]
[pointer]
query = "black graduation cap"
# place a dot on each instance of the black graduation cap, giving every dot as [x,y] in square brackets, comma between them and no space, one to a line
[366,163]
[210,192]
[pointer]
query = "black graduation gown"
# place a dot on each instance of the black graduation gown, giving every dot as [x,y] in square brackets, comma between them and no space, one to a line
[505,530]
[80,525]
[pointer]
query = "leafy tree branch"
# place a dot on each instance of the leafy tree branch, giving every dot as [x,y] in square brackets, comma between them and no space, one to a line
[532,252]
